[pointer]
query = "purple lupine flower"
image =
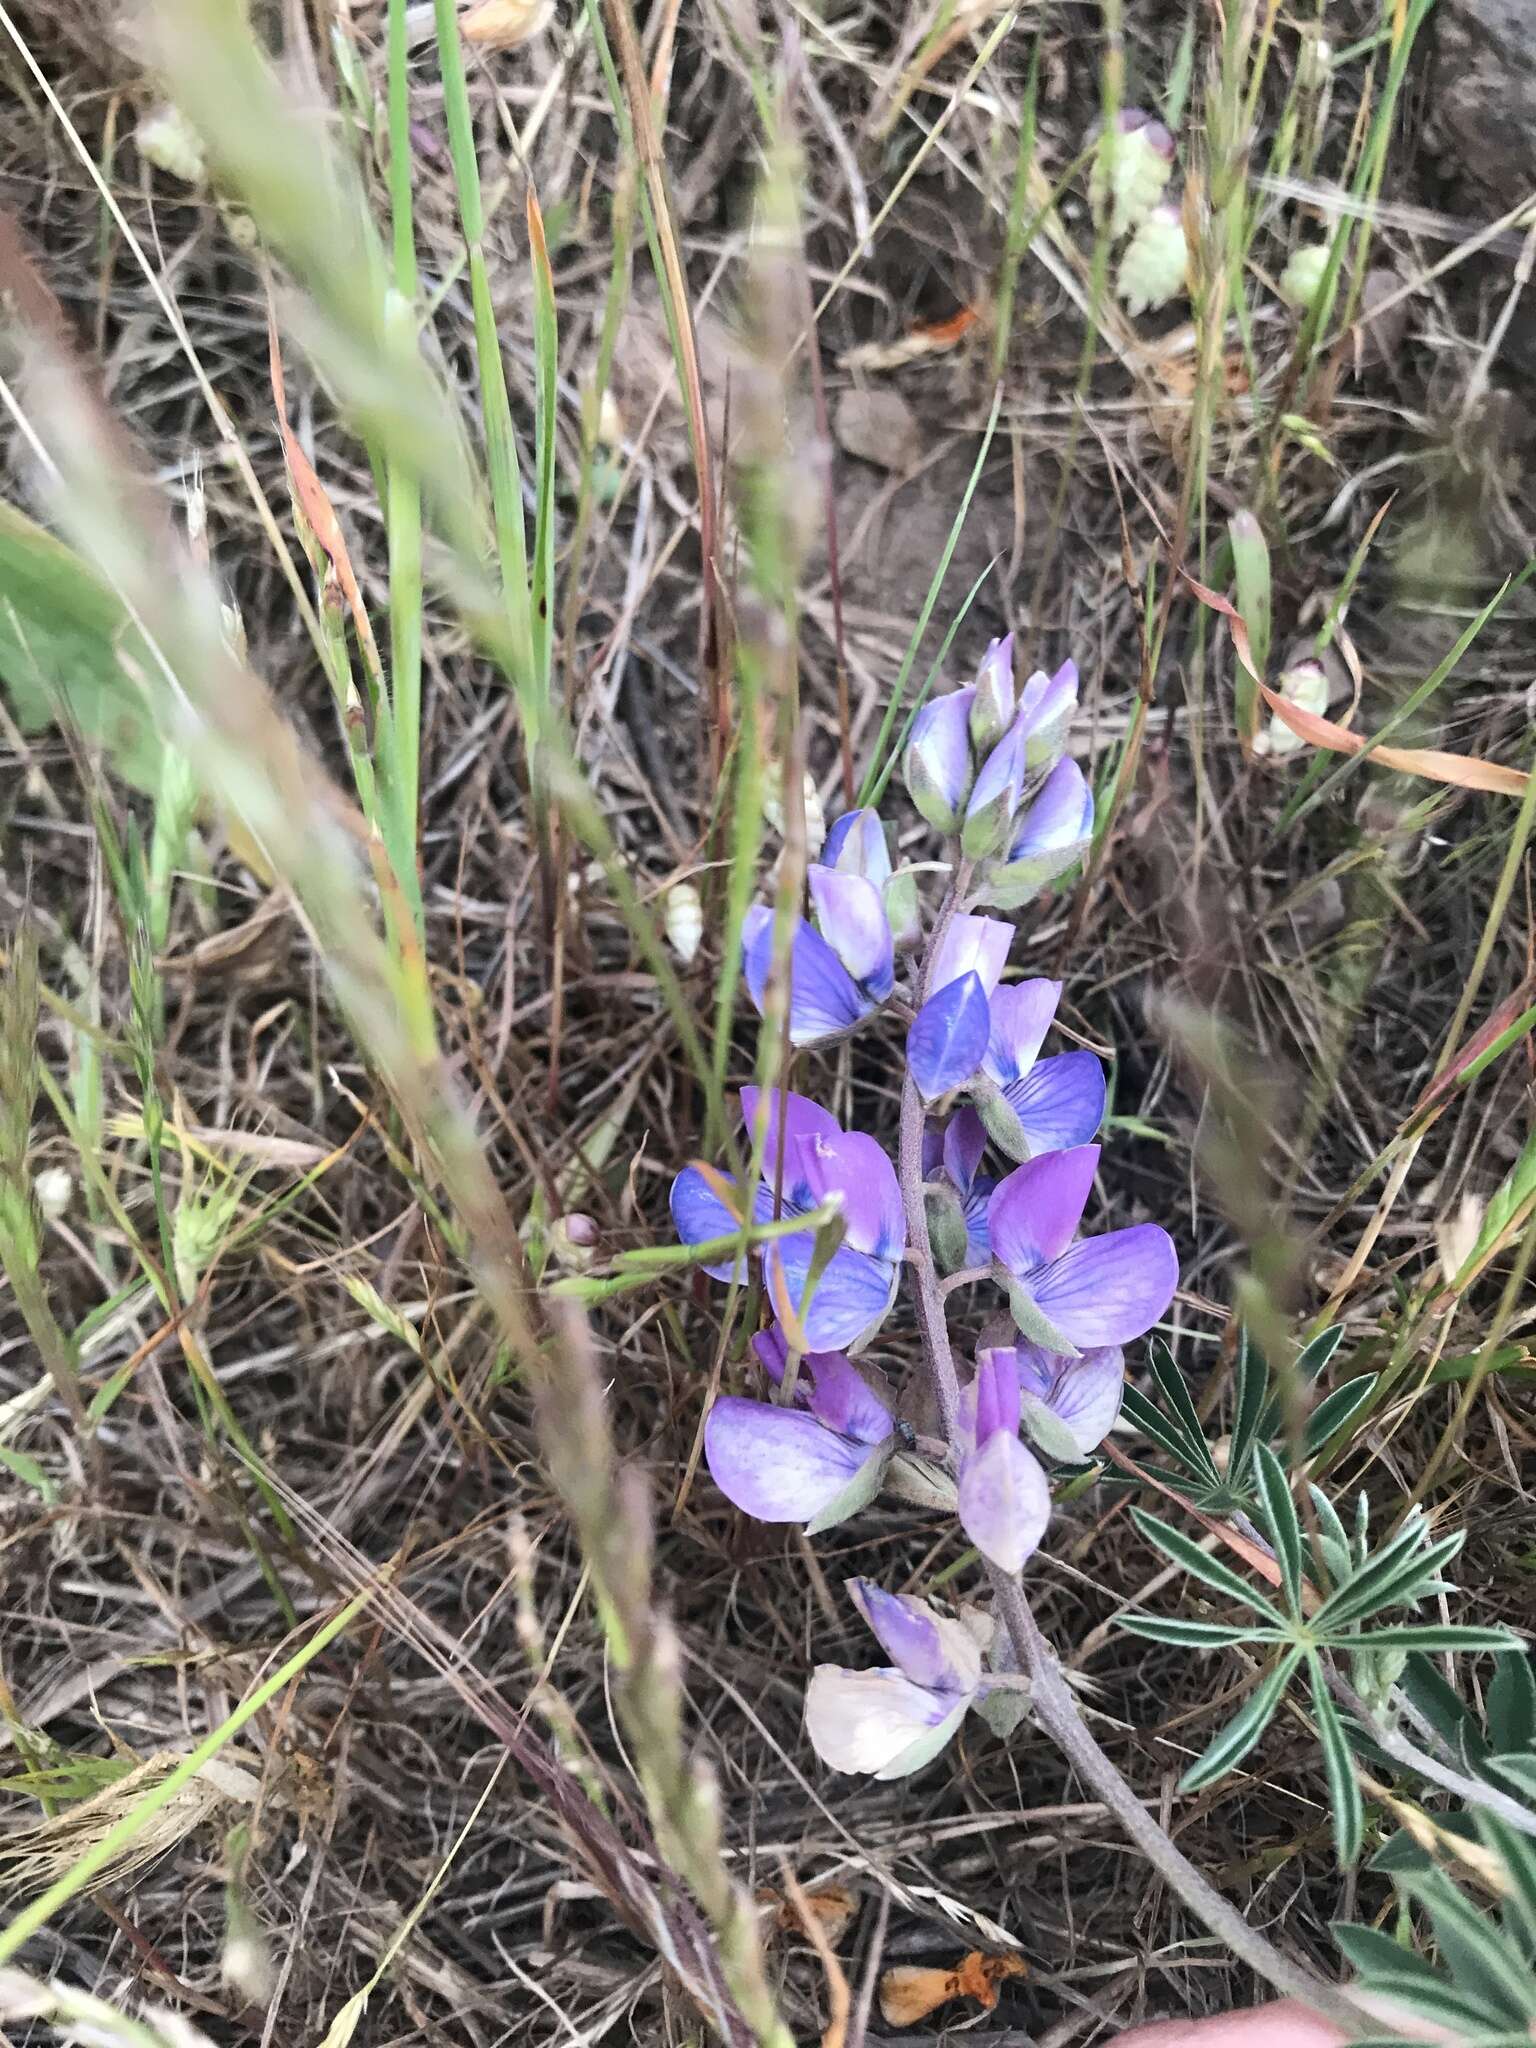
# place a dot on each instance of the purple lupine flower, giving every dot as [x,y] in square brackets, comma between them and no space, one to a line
[821,1161]
[1080,1396]
[1004,1497]
[824,999]
[888,1722]
[937,765]
[856,845]
[1069,1297]
[949,1033]
[1052,835]
[956,1153]
[842,967]
[1048,1105]
[816,1462]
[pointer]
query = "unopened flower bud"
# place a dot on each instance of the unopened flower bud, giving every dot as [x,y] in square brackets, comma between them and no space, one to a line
[938,759]
[685,921]
[946,1225]
[573,1240]
[1302,278]
[1155,266]
[993,708]
[1133,182]
[994,801]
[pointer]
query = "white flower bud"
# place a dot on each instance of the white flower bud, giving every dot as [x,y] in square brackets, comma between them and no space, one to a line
[54,1188]
[1155,266]
[1302,278]
[1304,684]
[167,139]
[685,921]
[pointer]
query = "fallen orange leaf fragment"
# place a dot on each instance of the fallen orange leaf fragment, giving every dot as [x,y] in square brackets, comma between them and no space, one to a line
[1464,771]
[910,1992]
[503,24]
[831,1906]
[933,338]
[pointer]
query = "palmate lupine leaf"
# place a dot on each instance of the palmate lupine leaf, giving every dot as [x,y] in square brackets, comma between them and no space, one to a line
[1170,1418]
[1486,1990]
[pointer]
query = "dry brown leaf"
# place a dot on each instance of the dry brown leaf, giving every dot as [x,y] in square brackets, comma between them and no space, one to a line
[1461,771]
[832,1906]
[910,1992]
[314,502]
[503,24]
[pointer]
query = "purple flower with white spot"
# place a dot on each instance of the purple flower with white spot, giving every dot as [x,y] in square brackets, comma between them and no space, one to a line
[815,1461]
[890,1721]
[1070,1297]
[1046,1105]
[1004,1497]
[951,1159]
[949,1033]
[820,1162]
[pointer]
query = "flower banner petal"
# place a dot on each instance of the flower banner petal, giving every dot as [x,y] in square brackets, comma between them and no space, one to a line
[1021,1016]
[971,945]
[1060,1102]
[855,1170]
[1039,1205]
[851,914]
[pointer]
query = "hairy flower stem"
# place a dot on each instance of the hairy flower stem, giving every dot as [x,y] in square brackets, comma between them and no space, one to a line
[1054,1703]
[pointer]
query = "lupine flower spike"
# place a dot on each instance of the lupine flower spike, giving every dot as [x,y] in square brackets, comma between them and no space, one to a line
[1069,1297]
[816,1462]
[889,1722]
[821,1162]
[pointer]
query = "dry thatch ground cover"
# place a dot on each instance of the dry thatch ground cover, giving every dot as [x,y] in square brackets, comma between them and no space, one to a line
[1275,993]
